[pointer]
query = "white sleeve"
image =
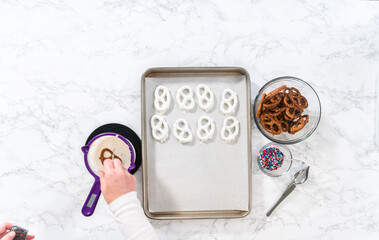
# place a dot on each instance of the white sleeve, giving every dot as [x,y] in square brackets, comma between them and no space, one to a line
[133,222]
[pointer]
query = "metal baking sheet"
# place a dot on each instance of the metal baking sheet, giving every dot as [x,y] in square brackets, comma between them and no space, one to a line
[196,180]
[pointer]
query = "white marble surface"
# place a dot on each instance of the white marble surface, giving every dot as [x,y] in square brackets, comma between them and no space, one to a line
[67,67]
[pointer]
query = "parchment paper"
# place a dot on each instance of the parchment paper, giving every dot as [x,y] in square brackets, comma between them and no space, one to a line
[198,176]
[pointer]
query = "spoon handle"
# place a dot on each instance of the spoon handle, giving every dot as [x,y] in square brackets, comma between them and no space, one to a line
[287,192]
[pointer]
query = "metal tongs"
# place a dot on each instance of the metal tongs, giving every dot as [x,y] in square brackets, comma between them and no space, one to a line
[299,178]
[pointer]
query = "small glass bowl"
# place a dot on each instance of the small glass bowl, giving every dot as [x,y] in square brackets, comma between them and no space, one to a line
[313,110]
[287,161]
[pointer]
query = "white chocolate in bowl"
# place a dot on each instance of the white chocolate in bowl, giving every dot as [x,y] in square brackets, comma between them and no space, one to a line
[113,143]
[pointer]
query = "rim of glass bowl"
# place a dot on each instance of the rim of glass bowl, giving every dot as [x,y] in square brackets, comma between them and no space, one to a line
[264,171]
[260,127]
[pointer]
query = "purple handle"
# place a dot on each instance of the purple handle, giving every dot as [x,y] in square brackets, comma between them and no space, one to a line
[91,201]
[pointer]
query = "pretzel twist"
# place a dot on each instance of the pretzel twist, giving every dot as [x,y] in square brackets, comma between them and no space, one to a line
[159,128]
[184,98]
[205,97]
[230,129]
[103,157]
[229,102]
[182,132]
[205,128]
[162,99]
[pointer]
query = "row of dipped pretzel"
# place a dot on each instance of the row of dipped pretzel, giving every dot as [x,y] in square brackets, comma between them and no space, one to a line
[281,111]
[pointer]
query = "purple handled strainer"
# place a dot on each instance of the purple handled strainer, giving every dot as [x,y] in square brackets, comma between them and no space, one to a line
[93,196]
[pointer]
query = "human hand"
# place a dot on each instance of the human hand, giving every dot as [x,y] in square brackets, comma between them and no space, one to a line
[115,180]
[6,234]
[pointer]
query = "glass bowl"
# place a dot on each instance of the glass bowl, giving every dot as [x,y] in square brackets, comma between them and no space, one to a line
[313,109]
[285,166]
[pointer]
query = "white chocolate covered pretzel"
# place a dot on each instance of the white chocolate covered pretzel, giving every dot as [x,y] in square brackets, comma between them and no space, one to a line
[205,97]
[162,99]
[230,129]
[229,102]
[184,98]
[205,128]
[181,131]
[159,128]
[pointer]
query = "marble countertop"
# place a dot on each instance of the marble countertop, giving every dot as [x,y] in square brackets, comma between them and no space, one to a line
[67,67]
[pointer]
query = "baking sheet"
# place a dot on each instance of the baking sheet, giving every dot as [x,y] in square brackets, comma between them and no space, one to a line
[199,176]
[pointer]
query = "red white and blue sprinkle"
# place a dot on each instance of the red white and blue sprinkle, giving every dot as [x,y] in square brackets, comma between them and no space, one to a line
[271,158]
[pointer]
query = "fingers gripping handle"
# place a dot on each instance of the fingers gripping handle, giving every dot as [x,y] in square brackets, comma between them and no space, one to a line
[91,201]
